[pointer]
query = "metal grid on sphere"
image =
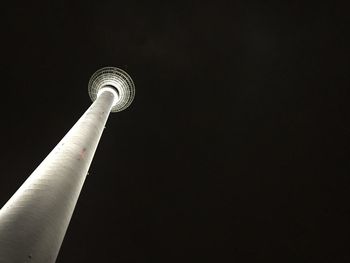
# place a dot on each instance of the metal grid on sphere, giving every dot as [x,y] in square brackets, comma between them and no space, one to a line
[118,79]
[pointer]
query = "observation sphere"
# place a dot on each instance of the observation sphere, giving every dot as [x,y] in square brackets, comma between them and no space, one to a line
[113,78]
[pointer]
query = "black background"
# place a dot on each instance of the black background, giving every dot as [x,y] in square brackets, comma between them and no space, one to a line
[236,148]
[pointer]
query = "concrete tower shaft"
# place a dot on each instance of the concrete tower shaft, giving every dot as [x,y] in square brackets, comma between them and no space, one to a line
[34,221]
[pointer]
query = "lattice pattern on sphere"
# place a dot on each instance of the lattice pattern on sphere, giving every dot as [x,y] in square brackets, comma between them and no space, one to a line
[119,79]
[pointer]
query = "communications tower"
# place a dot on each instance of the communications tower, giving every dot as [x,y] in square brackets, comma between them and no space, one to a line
[35,219]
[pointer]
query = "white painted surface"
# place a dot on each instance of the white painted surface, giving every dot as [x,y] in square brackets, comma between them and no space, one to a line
[34,221]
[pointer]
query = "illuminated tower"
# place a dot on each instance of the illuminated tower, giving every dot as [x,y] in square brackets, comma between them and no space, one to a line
[35,219]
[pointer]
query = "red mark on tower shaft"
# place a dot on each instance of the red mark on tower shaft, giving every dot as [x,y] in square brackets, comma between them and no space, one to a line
[82,154]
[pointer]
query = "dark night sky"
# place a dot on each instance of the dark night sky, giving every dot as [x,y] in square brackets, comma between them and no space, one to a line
[236,148]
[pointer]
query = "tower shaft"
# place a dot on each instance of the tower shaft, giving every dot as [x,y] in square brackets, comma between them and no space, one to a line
[34,221]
